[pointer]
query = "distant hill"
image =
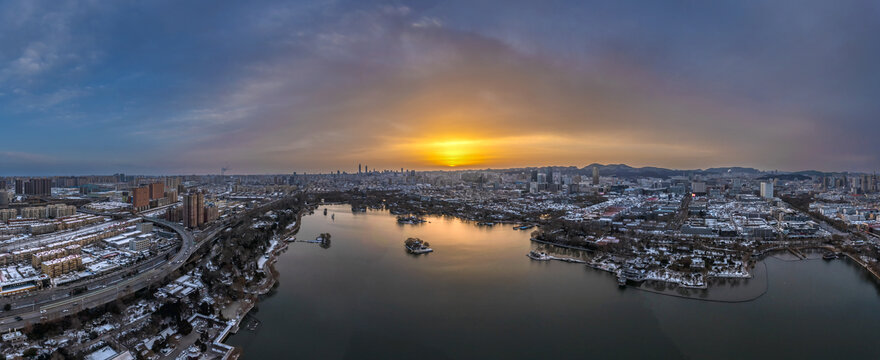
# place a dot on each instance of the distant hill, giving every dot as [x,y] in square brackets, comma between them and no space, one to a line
[623,170]
[810,173]
[626,171]
[735,170]
[788,177]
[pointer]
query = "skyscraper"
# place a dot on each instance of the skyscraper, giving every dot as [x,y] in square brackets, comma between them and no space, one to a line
[140,199]
[595,175]
[193,209]
[767,190]
[42,186]
[157,190]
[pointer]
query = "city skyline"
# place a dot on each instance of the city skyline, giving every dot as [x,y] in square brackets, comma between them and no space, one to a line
[366,170]
[277,87]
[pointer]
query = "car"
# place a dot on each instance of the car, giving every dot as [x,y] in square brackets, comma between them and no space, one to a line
[42,311]
[18,318]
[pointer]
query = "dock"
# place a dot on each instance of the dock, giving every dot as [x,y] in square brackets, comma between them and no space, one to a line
[798,253]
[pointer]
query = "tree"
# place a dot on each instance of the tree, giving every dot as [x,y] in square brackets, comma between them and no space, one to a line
[7,307]
[184,328]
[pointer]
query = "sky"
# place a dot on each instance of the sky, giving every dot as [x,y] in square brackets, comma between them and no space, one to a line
[185,87]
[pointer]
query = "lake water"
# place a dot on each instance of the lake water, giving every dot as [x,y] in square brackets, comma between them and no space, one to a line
[478,297]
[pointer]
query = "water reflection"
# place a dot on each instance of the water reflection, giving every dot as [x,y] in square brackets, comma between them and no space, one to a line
[478,296]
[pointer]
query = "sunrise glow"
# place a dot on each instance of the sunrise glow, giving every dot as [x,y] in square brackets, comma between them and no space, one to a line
[454,152]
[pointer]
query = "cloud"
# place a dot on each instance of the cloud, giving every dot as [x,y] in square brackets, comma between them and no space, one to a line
[427,22]
[320,86]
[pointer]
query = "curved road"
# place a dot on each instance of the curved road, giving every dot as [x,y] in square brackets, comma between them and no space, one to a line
[109,289]
[56,303]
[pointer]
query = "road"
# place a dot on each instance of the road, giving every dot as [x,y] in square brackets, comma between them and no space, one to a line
[57,302]
[45,306]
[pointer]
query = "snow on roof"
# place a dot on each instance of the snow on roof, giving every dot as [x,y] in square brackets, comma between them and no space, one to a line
[104,353]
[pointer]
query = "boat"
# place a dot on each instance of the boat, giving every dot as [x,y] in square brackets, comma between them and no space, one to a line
[523,227]
[829,256]
[417,246]
[621,280]
[291,239]
[540,256]
[634,271]
[485,223]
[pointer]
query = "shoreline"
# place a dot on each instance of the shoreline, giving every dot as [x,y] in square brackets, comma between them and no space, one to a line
[276,251]
[263,289]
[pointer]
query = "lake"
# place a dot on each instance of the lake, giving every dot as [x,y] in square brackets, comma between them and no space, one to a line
[478,296]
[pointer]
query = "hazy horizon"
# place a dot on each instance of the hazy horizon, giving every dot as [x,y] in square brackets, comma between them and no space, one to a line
[440,169]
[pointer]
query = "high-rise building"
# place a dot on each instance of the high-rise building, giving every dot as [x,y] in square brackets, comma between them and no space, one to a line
[37,187]
[174,214]
[157,191]
[698,187]
[193,209]
[171,195]
[767,190]
[542,178]
[172,182]
[595,175]
[211,213]
[140,199]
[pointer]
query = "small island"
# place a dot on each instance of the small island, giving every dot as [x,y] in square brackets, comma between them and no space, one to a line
[417,246]
[323,240]
[411,219]
[538,255]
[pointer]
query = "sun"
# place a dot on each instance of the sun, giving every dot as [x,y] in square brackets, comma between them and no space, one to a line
[454,152]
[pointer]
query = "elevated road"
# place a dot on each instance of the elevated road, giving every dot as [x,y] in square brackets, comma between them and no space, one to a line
[58,302]
[54,305]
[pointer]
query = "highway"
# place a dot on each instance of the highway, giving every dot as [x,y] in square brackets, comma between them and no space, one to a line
[52,303]
[56,302]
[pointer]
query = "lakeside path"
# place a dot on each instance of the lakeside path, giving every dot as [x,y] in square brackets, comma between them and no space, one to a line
[237,311]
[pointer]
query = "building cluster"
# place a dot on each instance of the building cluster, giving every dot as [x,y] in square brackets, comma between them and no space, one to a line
[34,186]
[99,248]
[11,226]
[57,267]
[195,211]
[152,195]
[136,240]
[38,212]
[39,258]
